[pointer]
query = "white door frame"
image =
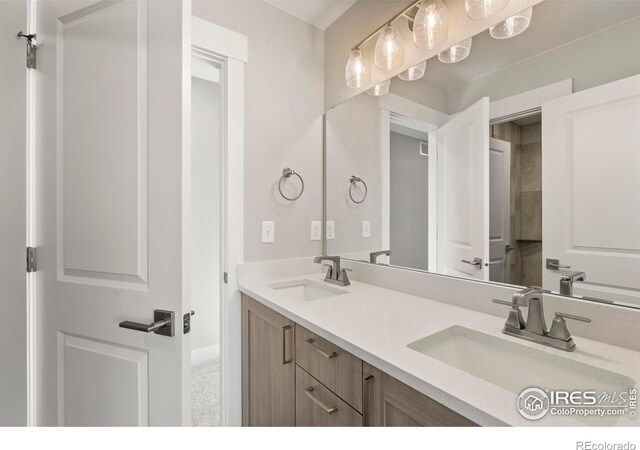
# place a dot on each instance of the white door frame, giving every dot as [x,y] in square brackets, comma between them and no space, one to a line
[229,48]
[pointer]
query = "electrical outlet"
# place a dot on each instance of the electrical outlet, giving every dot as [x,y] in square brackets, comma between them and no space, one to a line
[316,230]
[366,229]
[331,230]
[268,232]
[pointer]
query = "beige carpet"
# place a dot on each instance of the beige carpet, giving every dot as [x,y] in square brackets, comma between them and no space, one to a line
[205,394]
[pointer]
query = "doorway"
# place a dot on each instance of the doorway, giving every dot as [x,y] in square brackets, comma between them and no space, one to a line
[206,219]
[524,248]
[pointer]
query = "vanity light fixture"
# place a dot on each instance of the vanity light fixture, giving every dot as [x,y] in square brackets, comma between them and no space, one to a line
[483,9]
[357,73]
[513,26]
[431,24]
[379,89]
[414,73]
[389,49]
[456,53]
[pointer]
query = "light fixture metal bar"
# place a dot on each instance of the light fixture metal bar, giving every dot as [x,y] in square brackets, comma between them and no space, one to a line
[404,13]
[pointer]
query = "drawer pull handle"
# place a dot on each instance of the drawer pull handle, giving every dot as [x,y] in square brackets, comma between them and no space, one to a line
[320,351]
[328,409]
[285,360]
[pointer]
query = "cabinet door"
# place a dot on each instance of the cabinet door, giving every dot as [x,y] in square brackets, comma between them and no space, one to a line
[268,366]
[405,407]
[317,406]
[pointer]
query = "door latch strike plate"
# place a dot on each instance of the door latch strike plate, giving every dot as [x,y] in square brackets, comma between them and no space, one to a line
[186,322]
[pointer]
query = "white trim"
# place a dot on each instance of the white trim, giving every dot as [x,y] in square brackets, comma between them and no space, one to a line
[216,39]
[231,48]
[385,181]
[507,109]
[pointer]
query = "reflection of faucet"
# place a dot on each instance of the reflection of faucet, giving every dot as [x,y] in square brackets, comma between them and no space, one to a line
[335,274]
[373,256]
[535,328]
[566,282]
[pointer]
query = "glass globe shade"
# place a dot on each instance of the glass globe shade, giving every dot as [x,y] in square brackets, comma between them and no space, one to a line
[357,72]
[389,49]
[380,89]
[513,26]
[483,9]
[431,24]
[414,73]
[456,53]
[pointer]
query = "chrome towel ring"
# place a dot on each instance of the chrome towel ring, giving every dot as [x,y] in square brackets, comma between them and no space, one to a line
[286,174]
[353,180]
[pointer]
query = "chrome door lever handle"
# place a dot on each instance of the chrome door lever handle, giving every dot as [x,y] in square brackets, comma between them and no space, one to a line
[163,324]
[476,262]
[554,264]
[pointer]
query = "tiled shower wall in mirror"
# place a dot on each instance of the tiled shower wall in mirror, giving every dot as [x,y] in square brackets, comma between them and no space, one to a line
[525,136]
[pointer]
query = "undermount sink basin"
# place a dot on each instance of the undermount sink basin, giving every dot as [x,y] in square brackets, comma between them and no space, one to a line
[307,289]
[516,367]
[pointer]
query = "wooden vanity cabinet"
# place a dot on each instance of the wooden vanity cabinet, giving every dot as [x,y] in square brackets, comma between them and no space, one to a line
[292,376]
[268,369]
[391,403]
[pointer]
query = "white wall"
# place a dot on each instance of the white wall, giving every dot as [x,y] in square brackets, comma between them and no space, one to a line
[284,88]
[591,61]
[205,212]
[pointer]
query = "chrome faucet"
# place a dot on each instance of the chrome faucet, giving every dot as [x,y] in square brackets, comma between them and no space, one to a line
[335,274]
[373,256]
[566,282]
[535,328]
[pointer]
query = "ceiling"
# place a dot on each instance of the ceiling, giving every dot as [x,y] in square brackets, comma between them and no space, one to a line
[320,13]
[554,23]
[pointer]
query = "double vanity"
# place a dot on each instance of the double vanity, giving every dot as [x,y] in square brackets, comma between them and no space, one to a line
[319,354]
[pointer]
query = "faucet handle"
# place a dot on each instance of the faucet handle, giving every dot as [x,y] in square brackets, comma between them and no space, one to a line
[559,328]
[515,319]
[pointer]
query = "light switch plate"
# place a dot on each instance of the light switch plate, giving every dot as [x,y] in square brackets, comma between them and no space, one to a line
[316,230]
[331,230]
[366,229]
[268,232]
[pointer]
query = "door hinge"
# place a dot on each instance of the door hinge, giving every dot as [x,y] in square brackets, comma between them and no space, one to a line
[225,278]
[31,259]
[31,48]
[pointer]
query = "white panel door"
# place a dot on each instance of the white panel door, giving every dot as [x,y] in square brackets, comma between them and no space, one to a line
[591,193]
[499,210]
[113,129]
[13,215]
[463,193]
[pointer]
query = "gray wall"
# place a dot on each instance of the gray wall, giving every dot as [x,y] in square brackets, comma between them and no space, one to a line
[409,203]
[590,61]
[284,88]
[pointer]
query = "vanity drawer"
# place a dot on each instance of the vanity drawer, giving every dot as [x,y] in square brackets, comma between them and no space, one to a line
[317,406]
[334,367]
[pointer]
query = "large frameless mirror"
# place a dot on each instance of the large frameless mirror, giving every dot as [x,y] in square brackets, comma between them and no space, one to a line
[517,164]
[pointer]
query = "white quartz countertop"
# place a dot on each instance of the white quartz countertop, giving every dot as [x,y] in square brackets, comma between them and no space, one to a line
[376,324]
